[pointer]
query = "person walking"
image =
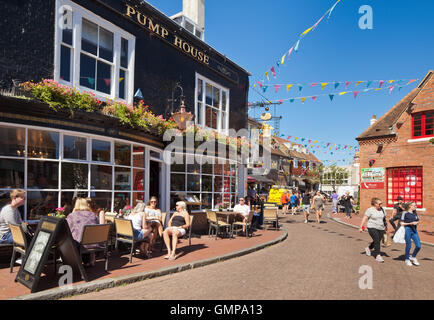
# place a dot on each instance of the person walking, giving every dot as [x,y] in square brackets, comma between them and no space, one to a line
[284,201]
[376,224]
[307,204]
[293,203]
[348,201]
[410,220]
[318,201]
[397,213]
[335,201]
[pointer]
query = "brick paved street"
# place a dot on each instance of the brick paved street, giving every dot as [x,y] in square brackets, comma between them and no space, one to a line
[314,262]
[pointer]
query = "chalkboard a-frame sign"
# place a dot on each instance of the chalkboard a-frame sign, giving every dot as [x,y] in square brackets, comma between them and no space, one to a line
[51,232]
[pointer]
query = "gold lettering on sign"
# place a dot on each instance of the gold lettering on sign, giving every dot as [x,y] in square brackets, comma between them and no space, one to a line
[48,226]
[163,32]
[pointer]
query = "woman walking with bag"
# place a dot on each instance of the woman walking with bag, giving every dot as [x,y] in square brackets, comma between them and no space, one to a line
[376,218]
[409,221]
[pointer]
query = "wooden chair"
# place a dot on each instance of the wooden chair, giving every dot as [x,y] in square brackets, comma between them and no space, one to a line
[125,234]
[216,224]
[271,217]
[188,233]
[96,234]
[247,224]
[20,243]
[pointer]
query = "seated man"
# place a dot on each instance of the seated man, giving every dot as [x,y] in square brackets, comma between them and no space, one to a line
[11,214]
[242,210]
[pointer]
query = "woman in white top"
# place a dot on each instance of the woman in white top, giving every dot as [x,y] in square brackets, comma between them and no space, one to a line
[376,225]
[154,220]
[140,227]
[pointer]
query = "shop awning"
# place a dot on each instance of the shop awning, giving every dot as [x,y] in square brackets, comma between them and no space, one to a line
[258,178]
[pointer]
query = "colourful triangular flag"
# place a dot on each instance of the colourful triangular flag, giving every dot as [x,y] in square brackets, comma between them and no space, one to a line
[380,83]
[323,85]
[300,87]
[358,82]
[296,45]
[264,88]
[314,98]
[347,84]
[303,99]
[306,32]
[260,84]
[277,87]
[331,97]
[368,84]
[313,84]
[273,71]
[391,89]
[288,87]
[283,59]
[355,94]
[342,93]
[412,80]
[336,84]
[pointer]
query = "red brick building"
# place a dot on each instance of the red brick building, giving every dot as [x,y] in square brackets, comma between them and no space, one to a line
[400,144]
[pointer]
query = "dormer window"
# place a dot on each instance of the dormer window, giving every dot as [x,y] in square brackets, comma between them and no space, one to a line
[190,26]
[423,125]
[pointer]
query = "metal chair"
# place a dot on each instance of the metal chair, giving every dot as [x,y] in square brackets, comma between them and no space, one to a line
[189,231]
[247,224]
[125,234]
[271,217]
[96,234]
[217,224]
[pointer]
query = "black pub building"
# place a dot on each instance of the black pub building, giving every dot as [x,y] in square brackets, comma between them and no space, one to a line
[122,51]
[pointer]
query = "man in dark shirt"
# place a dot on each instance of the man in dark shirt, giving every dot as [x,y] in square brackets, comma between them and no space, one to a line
[397,213]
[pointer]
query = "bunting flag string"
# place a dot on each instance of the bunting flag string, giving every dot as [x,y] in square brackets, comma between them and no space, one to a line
[399,83]
[321,144]
[295,47]
[330,95]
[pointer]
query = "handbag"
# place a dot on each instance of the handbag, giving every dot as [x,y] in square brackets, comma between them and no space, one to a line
[399,236]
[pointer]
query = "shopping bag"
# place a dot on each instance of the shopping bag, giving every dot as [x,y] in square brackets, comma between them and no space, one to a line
[399,236]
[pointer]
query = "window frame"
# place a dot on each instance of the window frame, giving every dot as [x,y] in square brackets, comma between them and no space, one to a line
[391,192]
[221,127]
[423,124]
[78,13]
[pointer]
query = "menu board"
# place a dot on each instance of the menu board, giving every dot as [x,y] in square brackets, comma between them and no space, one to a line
[52,235]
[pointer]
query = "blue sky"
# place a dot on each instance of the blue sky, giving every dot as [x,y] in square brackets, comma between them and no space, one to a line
[255,34]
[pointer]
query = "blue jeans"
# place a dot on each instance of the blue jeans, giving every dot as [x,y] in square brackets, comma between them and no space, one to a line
[7,238]
[410,234]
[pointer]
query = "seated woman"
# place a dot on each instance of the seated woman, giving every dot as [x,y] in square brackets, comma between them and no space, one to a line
[153,219]
[98,211]
[140,227]
[81,215]
[179,222]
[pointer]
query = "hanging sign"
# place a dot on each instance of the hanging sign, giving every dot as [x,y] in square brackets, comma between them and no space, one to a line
[372,178]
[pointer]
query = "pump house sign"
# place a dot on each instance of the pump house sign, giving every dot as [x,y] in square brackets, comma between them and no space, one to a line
[150,25]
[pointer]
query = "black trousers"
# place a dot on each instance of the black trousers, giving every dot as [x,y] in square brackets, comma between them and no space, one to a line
[376,236]
[396,217]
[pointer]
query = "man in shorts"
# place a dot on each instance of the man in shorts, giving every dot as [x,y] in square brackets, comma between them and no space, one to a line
[293,203]
[284,201]
[307,204]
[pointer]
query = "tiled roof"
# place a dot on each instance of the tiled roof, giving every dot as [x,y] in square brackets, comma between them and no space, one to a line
[383,126]
[293,153]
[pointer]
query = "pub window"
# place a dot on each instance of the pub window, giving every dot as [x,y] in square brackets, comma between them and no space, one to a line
[212,107]
[406,182]
[93,54]
[423,124]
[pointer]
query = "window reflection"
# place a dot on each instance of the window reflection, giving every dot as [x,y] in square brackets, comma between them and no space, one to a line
[138,156]
[193,182]
[103,200]
[137,197]
[41,203]
[122,154]
[101,150]
[138,179]
[11,173]
[13,141]
[67,199]
[74,147]
[177,182]
[122,178]
[207,183]
[43,144]
[74,176]
[101,177]
[42,174]
[121,200]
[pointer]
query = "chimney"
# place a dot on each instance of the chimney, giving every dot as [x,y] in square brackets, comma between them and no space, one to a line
[195,10]
[374,119]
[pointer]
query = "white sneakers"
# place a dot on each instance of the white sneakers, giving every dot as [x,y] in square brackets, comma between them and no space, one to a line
[305,221]
[379,258]
[414,261]
[408,263]
[368,252]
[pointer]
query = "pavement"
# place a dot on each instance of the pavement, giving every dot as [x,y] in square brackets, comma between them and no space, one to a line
[203,251]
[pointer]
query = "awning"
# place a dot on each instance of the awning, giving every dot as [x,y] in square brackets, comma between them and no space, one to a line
[257,178]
